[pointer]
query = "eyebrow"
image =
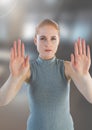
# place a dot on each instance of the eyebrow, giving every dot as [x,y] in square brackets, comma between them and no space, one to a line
[42,36]
[45,36]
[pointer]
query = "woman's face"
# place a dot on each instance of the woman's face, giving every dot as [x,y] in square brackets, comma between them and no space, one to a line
[47,41]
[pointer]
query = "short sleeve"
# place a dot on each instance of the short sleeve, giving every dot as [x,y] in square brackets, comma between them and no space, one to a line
[33,70]
[62,70]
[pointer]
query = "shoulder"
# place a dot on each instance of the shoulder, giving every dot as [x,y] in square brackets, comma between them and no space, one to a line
[67,67]
[28,76]
[30,70]
[67,63]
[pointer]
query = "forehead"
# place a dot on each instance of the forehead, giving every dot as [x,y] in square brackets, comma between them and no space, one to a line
[47,30]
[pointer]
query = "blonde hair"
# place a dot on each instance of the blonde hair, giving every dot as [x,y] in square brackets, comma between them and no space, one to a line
[47,22]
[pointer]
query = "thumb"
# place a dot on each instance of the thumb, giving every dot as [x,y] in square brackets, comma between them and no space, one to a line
[72,59]
[27,60]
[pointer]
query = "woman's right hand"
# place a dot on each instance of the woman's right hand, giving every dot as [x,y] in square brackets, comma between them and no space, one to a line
[19,64]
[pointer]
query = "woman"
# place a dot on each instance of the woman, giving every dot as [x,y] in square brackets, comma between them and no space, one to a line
[49,78]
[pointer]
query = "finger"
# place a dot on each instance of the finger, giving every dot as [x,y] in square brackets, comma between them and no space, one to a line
[15,50]
[19,48]
[83,47]
[27,60]
[76,49]
[12,54]
[23,50]
[72,59]
[79,46]
[88,52]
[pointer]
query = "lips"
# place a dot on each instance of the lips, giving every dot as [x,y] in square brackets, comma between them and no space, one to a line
[47,50]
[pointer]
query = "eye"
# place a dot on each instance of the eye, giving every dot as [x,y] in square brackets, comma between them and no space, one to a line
[53,38]
[42,38]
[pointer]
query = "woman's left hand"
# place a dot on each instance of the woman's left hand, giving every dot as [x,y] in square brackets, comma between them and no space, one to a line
[81,59]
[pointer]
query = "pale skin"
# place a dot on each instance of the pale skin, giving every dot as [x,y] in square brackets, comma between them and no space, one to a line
[47,41]
[19,72]
[78,69]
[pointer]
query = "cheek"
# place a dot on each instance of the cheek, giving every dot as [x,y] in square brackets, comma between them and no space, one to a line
[39,47]
[56,47]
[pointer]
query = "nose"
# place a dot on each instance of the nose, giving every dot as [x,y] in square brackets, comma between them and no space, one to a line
[48,43]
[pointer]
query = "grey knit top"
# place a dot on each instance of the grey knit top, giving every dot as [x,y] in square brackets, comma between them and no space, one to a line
[48,96]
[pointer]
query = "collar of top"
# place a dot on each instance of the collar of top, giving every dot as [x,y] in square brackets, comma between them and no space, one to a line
[39,59]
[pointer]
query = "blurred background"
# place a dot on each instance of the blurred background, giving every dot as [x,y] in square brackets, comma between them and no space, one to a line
[18,19]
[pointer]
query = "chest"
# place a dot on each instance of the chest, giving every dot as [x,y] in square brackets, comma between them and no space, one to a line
[48,84]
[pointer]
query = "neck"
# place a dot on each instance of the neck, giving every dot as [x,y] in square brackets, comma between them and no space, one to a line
[47,58]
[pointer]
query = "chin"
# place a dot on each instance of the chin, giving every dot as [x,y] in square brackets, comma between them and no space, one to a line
[48,57]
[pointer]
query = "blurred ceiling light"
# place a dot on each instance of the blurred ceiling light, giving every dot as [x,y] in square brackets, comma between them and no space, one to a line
[81,30]
[64,31]
[4,2]
[28,31]
[7,6]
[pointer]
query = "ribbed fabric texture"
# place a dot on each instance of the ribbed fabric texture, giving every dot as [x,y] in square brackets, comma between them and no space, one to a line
[48,96]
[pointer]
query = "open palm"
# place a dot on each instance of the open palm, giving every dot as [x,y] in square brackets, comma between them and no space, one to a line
[81,60]
[19,64]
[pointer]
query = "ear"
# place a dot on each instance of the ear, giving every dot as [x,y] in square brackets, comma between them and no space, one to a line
[35,40]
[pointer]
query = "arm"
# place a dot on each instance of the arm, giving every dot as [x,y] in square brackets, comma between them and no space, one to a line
[19,72]
[9,90]
[78,69]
